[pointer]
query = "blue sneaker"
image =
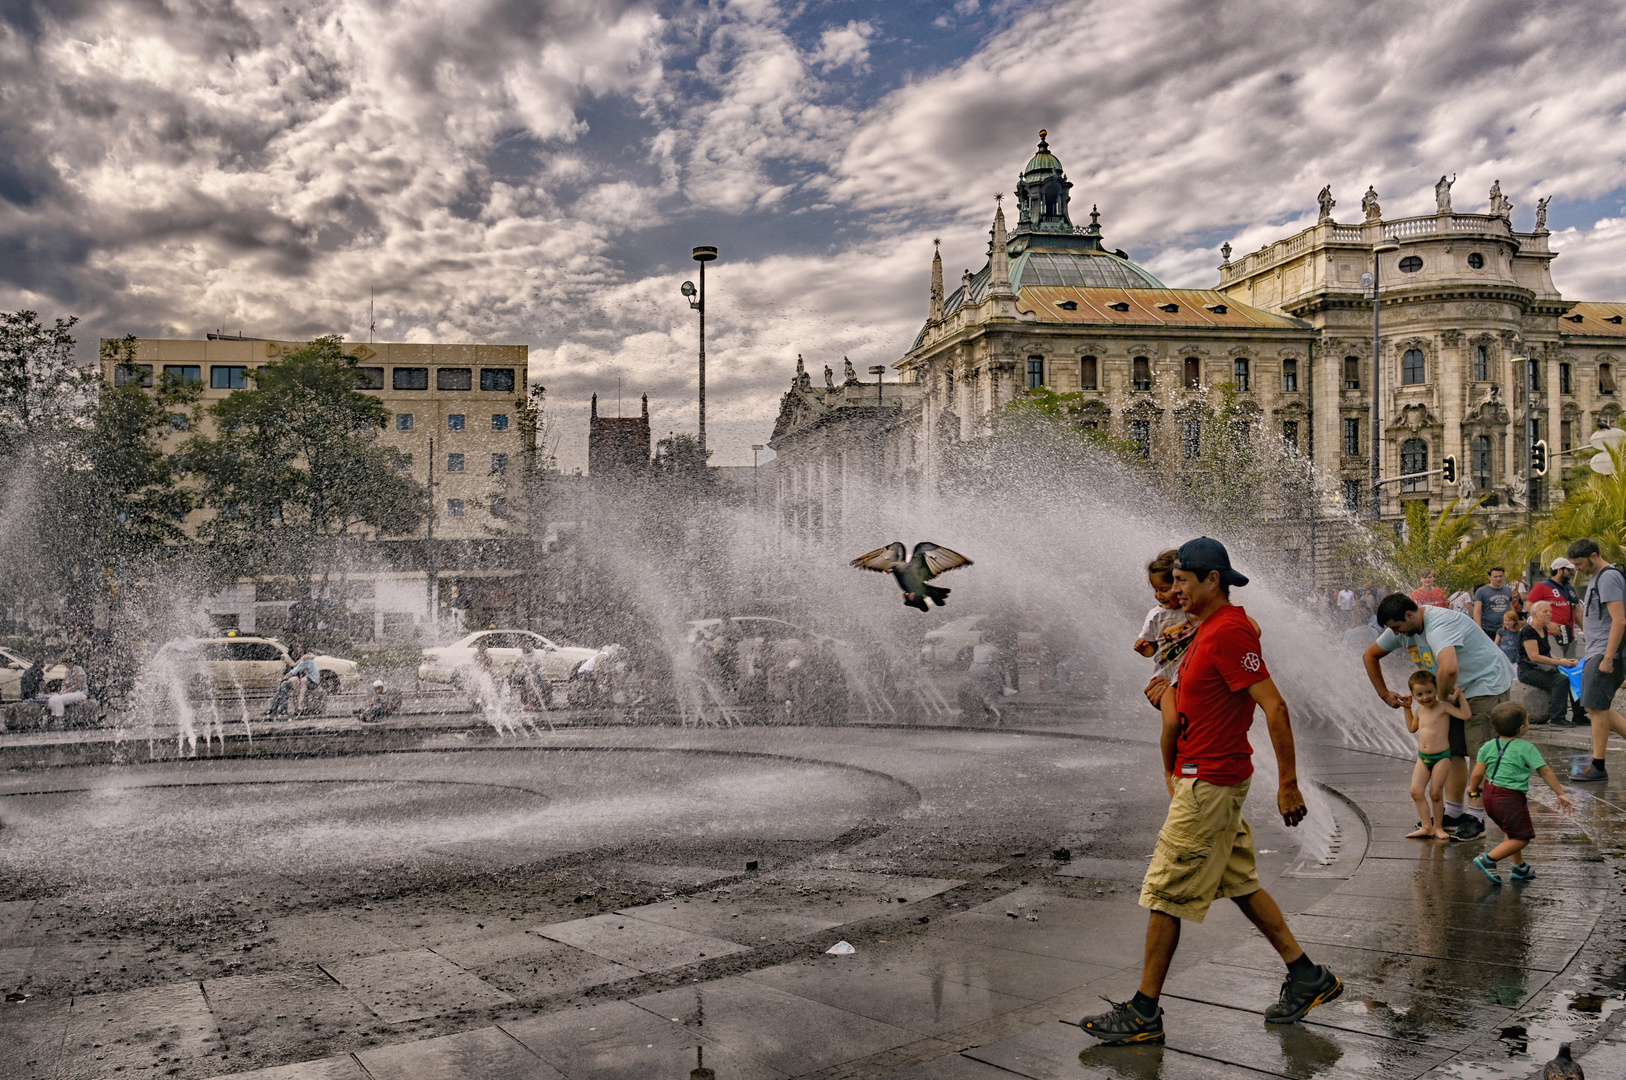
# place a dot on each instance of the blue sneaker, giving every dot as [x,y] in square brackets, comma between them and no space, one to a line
[1485,866]
[1523,872]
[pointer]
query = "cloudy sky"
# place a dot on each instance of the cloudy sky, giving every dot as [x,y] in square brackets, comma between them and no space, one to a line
[536,171]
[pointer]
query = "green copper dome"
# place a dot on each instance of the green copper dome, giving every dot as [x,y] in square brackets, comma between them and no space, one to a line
[1042,162]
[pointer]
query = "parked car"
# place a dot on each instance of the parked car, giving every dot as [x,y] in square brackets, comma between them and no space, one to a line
[444,663]
[218,664]
[950,645]
[12,667]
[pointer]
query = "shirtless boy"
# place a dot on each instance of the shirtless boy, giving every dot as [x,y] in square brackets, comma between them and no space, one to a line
[1431,722]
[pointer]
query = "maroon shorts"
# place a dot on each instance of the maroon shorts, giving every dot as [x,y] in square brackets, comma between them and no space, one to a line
[1511,811]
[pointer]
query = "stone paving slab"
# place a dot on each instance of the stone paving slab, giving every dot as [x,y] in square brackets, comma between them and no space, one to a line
[412,985]
[638,944]
[925,1004]
[741,922]
[1448,942]
[488,1053]
[13,917]
[320,938]
[619,1041]
[957,1067]
[343,1067]
[14,967]
[790,1033]
[529,966]
[265,1016]
[33,1033]
[1004,971]
[138,1032]
[1062,1052]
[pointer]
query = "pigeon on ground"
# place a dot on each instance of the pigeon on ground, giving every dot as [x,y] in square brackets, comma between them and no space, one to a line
[912,574]
[1562,1067]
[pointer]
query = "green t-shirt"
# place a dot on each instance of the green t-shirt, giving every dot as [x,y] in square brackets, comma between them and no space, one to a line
[1519,760]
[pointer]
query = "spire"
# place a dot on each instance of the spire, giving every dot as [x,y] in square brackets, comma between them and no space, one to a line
[595,407]
[937,280]
[999,256]
[646,408]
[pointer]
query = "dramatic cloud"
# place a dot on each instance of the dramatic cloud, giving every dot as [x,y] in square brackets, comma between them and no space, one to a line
[535,172]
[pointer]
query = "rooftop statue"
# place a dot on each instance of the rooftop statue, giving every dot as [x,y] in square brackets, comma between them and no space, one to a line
[1327,202]
[1369,203]
[829,378]
[1225,251]
[849,374]
[1541,213]
[1442,193]
[1500,205]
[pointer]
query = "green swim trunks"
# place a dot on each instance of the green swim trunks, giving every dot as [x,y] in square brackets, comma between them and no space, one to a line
[1430,760]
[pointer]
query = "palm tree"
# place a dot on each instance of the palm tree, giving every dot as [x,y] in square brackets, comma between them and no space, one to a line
[1595,507]
[1439,543]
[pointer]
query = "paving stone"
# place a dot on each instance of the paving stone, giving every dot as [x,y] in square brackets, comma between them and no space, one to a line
[619,1041]
[1063,1052]
[744,922]
[138,1032]
[14,919]
[1441,940]
[1125,870]
[929,1005]
[283,1014]
[954,1067]
[637,943]
[14,967]
[412,985]
[681,877]
[793,1034]
[482,1054]
[33,1034]
[1004,971]
[872,885]
[320,938]
[343,1067]
[530,966]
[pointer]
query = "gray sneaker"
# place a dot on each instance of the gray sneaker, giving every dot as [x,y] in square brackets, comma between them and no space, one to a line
[1470,829]
[1590,774]
[1124,1024]
[1299,998]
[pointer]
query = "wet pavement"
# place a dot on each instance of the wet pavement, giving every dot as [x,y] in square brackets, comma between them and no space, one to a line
[929,850]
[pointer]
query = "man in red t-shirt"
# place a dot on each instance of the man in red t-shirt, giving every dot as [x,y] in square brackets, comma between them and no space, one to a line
[1428,594]
[1205,849]
[1558,592]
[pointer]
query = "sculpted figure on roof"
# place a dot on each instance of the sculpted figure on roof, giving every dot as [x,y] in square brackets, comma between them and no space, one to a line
[1442,194]
[1369,203]
[1327,202]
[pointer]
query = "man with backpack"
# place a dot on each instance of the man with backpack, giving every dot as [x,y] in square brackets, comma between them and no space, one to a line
[1603,621]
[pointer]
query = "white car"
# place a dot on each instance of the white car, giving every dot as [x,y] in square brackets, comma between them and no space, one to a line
[444,663]
[213,665]
[12,667]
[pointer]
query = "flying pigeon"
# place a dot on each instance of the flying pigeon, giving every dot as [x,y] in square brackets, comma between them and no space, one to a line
[1562,1067]
[912,574]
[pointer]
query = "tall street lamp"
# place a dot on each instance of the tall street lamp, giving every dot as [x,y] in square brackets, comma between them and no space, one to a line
[756,448]
[702,255]
[1377,367]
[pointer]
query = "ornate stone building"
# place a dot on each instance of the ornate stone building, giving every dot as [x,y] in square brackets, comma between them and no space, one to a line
[1289,329]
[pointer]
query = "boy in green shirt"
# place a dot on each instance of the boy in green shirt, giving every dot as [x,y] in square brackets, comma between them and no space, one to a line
[1503,774]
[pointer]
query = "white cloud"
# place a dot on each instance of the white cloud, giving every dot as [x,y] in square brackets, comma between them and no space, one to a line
[845,45]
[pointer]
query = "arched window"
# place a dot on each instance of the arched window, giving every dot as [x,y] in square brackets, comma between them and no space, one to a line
[1414,459]
[1290,437]
[1086,373]
[1352,373]
[1192,442]
[1143,373]
[1606,379]
[1481,462]
[1411,367]
[1035,372]
[1194,373]
[1240,373]
[1290,376]
[1481,369]
[1140,433]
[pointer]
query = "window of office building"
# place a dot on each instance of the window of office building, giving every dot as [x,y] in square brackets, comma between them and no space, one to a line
[454,421]
[125,374]
[1414,459]
[1352,373]
[1290,376]
[1194,373]
[453,378]
[1191,441]
[410,378]
[1480,461]
[224,377]
[454,462]
[184,374]
[499,422]
[1035,372]
[1240,370]
[403,421]
[454,508]
[1481,364]
[1086,374]
[1352,436]
[370,378]
[1140,433]
[1142,371]
[499,462]
[499,379]
[1412,367]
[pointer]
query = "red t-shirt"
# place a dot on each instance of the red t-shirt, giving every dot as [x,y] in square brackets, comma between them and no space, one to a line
[1434,597]
[1563,613]
[1212,697]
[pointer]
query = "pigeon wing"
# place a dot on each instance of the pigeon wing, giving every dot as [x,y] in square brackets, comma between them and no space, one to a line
[939,560]
[884,560]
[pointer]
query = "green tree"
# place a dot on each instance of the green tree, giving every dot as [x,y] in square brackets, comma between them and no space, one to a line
[1594,505]
[294,467]
[44,395]
[1442,543]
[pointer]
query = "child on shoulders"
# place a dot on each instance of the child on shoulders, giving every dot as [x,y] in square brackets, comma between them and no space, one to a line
[1431,722]
[1503,773]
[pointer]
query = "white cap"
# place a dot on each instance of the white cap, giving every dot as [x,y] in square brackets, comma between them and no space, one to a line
[1561,563]
[378,684]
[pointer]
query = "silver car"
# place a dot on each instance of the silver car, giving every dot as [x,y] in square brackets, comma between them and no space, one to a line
[213,665]
[445,663]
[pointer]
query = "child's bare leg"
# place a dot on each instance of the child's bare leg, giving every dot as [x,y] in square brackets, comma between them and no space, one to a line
[1436,791]
[1507,849]
[1420,796]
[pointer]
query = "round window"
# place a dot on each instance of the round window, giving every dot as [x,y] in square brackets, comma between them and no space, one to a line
[1410,264]
[1476,261]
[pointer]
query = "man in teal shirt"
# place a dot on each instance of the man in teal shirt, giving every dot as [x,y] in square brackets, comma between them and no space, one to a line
[1452,646]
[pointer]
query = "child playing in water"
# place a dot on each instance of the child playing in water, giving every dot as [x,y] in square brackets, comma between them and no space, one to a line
[1166,633]
[1432,725]
[1503,774]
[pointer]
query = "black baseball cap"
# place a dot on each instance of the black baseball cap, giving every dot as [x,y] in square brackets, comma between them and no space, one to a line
[1204,554]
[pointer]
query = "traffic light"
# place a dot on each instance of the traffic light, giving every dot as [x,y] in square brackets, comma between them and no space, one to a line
[1538,458]
[1449,472]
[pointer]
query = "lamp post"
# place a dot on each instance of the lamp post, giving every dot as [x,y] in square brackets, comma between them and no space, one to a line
[1528,444]
[1377,367]
[756,448]
[702,255]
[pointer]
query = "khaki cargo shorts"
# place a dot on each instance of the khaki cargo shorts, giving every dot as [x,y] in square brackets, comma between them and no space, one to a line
[1204,852]
[1467,736]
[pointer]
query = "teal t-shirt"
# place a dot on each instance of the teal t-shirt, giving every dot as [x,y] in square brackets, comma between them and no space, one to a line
[1482,670]
[1519,760]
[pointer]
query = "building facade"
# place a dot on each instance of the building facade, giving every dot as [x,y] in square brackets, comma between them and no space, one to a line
[1475,343]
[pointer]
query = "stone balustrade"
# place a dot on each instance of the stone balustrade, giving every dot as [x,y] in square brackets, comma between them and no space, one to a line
[1330,232]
